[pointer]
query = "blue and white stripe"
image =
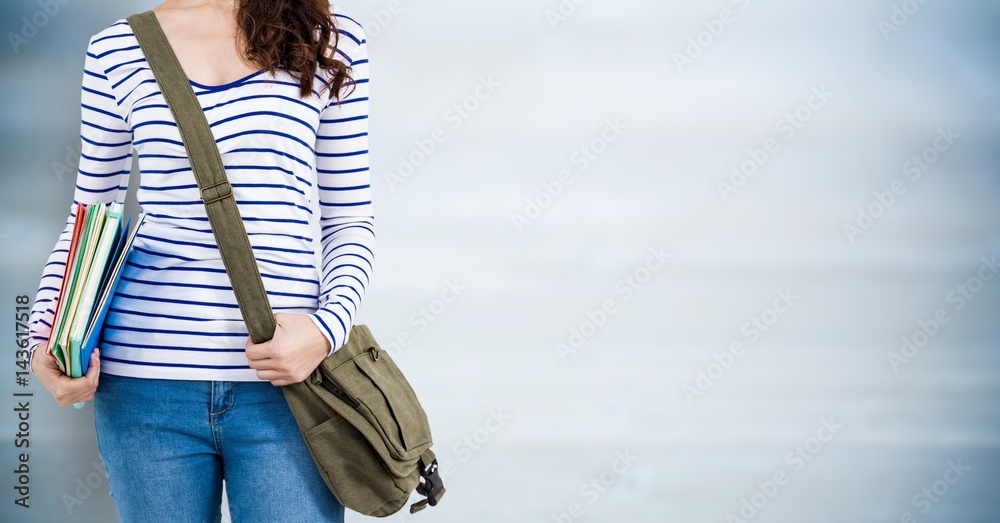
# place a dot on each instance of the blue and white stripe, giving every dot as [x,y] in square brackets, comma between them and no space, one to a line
[174,315]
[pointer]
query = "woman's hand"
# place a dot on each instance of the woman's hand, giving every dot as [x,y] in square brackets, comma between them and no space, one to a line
[296,349]
[64,389]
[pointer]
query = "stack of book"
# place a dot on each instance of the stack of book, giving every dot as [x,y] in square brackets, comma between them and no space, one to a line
[102,241]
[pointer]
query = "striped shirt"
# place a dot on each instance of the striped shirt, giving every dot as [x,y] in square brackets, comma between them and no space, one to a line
[174,314]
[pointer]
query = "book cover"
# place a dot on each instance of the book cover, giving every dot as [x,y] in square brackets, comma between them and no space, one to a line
[79,275]
[110,284]
[60,310]
[108,234]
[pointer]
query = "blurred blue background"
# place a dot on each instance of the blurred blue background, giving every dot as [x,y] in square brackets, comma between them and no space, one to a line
[756,370]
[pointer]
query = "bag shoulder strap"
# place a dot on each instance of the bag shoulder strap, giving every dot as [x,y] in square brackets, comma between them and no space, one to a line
[210,173]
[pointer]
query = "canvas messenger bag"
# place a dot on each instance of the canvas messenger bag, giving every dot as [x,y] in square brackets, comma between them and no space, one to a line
[366,431]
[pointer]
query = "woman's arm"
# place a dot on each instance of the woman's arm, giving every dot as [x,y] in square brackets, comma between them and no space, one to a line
[105,163]
[344,185]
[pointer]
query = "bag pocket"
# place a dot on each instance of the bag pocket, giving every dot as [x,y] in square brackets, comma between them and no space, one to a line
[348,465]
[384,397]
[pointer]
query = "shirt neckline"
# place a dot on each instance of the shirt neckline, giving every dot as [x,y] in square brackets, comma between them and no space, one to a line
[224,86]
[199,85]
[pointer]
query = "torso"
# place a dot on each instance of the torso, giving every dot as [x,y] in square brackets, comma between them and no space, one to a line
[204,40]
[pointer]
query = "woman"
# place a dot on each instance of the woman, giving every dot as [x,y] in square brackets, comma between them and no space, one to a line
[182,398]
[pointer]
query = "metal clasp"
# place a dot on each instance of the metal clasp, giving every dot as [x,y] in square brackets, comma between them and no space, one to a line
[223,190]
[374,353]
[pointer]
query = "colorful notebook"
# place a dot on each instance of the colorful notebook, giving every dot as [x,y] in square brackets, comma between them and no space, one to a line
[67,271]
[60,327]
[110,283]
[98,250]
[108,232]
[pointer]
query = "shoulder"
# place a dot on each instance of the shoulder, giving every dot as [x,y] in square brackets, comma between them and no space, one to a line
[112,35]
[351,33]
[113,38]
[346,23]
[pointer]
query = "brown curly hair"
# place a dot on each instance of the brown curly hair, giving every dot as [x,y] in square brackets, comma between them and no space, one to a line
[285,32]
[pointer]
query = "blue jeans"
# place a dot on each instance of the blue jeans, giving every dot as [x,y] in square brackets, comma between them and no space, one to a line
[167,445]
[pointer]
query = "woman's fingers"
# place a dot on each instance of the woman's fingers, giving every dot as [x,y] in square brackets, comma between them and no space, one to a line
[49,366]
[67,390]
[94,371]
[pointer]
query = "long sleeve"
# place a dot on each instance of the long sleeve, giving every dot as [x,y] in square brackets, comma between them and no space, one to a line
[344,187]
[102,176]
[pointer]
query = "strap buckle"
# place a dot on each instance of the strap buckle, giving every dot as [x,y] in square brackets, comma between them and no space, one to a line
[432,486]
[222,190]
[433,482]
